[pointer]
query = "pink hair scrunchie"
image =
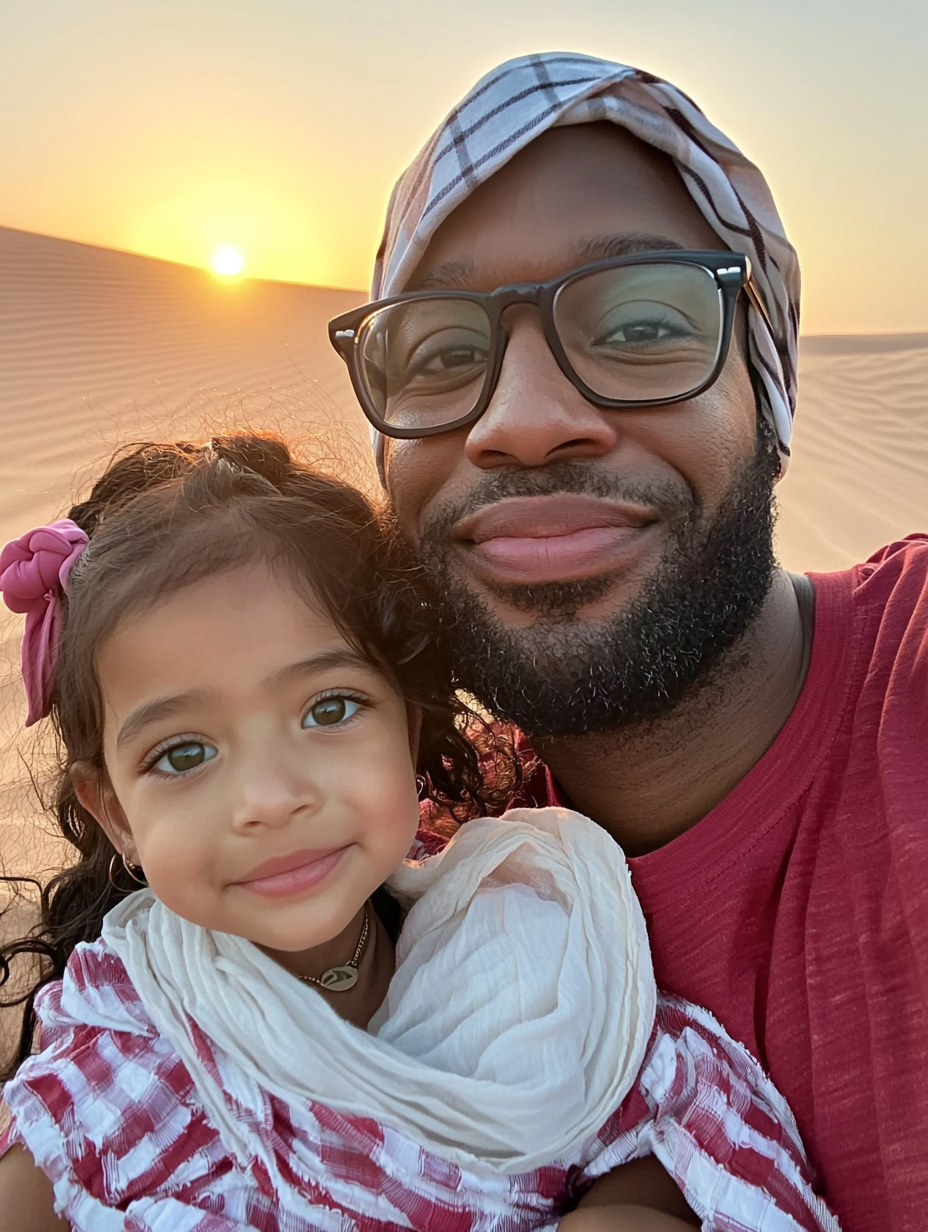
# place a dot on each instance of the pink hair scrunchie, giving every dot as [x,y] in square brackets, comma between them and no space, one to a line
[34,571]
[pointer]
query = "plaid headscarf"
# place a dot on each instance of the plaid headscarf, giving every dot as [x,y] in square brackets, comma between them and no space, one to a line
[511,105]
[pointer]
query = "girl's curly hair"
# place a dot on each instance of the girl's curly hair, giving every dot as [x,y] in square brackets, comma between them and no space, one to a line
[165,516]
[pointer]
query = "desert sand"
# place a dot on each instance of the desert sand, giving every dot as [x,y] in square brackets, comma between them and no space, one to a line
[99,348]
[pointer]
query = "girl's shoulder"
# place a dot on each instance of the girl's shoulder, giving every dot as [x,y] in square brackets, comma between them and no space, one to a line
[93,1031]
[95,993]
[105,1104]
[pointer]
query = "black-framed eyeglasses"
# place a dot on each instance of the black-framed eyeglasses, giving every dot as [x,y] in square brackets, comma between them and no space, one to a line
[636,331]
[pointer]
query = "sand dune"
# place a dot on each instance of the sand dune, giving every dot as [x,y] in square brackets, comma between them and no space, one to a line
[859,477]
[100,347]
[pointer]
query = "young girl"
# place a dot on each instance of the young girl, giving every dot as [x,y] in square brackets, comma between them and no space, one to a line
[232,1029]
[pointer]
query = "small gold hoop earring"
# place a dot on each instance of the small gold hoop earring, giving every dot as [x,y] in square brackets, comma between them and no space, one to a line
[133,871]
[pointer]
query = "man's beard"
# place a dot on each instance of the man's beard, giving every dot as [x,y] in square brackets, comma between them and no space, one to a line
[563,675]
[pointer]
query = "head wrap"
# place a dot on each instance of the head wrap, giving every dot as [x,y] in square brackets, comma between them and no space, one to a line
[34,573]
[514,103]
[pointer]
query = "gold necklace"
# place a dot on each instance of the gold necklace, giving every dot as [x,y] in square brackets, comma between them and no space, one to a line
[340,979]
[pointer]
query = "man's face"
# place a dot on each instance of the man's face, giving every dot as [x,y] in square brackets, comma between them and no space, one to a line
[588,556]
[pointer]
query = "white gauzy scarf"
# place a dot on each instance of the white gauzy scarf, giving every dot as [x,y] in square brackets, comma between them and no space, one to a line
[516,1022]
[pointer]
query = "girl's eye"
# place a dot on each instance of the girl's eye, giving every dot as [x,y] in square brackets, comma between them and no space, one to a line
[184,757]
[331,710]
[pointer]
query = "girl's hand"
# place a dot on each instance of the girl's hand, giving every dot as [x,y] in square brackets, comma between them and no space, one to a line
[27,1201]
[640,1196]
[623,1219]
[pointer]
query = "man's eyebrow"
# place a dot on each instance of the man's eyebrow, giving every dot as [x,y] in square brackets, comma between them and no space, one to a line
[599,247]
[155,710]
[458,275]
[450,275]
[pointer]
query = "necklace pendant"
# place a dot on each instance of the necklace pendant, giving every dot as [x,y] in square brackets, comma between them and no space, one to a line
[345,976]
[339,979]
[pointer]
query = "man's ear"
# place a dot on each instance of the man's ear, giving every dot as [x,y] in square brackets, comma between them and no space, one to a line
[96,796]
[414,724]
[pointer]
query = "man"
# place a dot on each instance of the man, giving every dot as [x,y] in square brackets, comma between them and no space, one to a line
[586,467]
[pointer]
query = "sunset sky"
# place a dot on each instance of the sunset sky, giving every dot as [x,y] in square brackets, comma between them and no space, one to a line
[276,127]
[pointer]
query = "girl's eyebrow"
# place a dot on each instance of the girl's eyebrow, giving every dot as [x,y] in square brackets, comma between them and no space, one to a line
[341,656]
[164,707]
[159,708]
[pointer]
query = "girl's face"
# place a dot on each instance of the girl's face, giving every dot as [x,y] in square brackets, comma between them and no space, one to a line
[260,770]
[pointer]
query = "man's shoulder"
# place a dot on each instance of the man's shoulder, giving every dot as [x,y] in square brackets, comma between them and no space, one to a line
[902,563]
[872,665]
[886,594]
[906,557]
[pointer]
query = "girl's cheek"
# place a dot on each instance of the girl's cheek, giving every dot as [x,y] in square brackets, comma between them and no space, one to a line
[173,855]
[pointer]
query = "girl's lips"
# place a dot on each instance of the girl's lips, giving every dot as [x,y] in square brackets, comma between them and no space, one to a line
[292,874]
[556,538]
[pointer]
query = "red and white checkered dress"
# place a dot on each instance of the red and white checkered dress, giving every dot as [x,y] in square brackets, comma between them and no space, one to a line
[112,1116]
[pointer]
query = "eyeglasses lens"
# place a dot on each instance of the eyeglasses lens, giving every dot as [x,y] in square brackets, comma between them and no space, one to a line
[637,333]
[641,333]
[424,362]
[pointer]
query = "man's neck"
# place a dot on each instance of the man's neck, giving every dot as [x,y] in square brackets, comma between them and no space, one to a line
[648,785]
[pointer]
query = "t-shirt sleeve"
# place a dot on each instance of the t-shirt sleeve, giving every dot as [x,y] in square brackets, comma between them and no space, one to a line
[704,1107]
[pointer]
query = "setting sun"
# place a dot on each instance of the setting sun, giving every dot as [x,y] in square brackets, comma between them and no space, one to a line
[227,261]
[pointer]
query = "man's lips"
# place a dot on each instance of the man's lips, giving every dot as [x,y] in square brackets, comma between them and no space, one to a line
[290,874]
[556,538]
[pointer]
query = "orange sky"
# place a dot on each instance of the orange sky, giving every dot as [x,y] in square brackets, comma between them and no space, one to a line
[172,127]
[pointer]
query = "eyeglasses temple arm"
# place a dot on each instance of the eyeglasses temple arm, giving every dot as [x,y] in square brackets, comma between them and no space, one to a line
[750,287]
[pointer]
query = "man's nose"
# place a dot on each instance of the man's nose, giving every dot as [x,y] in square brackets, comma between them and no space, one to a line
[272,784]
[536,415]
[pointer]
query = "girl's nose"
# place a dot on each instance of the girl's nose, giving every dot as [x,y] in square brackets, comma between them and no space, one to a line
[272,785]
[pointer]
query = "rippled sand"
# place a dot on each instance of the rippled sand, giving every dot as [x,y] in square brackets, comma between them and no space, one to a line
[859,476]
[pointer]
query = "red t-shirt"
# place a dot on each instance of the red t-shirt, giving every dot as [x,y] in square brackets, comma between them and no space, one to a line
[797,910]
